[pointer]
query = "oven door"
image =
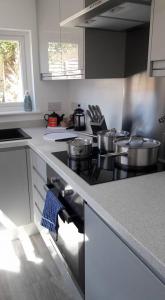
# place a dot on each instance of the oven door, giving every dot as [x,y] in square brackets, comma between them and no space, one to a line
[70,237]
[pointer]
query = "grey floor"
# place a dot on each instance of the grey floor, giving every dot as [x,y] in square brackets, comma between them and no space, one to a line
[28,272]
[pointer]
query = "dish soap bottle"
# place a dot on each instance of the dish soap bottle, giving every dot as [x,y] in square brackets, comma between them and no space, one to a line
[27,102]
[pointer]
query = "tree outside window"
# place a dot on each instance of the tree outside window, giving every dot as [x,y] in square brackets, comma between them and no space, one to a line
[11,89]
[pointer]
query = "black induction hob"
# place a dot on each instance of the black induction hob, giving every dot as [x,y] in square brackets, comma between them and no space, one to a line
[96,170]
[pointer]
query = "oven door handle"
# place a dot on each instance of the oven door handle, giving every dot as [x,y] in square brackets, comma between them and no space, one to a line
[48,187]
[65,216]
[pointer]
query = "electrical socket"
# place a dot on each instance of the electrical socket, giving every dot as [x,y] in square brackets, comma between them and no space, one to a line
[54,106]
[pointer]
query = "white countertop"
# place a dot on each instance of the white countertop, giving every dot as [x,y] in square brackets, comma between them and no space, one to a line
[134,208]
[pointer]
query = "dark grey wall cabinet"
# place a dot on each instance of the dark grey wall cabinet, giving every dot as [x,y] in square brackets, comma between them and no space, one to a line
[137,43]
[112,54]
[112,270]
[104,54]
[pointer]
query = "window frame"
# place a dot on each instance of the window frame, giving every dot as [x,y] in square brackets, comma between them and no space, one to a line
[24,39]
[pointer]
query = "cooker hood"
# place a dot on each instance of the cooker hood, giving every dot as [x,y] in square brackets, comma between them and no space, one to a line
[115,15]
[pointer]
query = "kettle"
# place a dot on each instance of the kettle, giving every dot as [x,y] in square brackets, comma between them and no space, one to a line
[79,119]
[53,120]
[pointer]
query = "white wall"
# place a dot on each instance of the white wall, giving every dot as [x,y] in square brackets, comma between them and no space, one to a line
[21,15]
[107,93]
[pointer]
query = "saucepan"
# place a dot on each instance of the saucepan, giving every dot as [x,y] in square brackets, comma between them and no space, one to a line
[80,148]
[136,152]
[106,139]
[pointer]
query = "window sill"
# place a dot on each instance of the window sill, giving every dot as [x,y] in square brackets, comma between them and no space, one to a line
[17,113]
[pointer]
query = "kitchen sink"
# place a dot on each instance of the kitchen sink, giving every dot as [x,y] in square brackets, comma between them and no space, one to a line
[13,134]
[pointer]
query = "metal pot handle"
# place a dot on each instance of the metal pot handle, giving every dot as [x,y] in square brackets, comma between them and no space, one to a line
[137,139]
[89,134]
[115,154]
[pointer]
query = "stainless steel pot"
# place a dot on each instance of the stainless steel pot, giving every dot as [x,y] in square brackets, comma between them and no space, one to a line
[80,148]
[106,139]
[137,152]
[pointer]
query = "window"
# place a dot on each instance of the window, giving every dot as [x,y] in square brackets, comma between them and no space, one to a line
[11,89]
[13,69]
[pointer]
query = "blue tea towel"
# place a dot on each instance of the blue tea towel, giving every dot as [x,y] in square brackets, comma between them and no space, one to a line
[50,213]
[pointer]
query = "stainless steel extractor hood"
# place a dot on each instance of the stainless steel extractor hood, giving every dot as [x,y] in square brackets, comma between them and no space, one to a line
[111,14]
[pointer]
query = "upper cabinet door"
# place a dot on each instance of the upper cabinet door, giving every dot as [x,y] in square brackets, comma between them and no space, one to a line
[72,41]
[157,40]
[49,35]
[74,53]
[61,50]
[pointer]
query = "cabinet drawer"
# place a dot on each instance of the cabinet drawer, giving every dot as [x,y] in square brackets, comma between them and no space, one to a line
[39,183]
[159,65]
[38,198]
[37,217]
[39,165]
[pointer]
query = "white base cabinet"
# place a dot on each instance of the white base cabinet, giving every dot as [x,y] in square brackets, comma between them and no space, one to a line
[112,270]
[14,188]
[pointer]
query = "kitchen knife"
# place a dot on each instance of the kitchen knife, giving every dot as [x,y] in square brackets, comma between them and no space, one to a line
[99,111]
[97,116]
[90,115]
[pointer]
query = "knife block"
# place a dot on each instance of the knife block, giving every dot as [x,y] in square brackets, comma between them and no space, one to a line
[96,127]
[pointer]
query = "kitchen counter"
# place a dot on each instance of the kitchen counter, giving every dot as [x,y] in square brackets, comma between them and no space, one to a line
[134,208]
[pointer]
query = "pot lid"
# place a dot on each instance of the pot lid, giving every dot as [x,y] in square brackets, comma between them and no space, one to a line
[78,142]
[138,142]
[114,133]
